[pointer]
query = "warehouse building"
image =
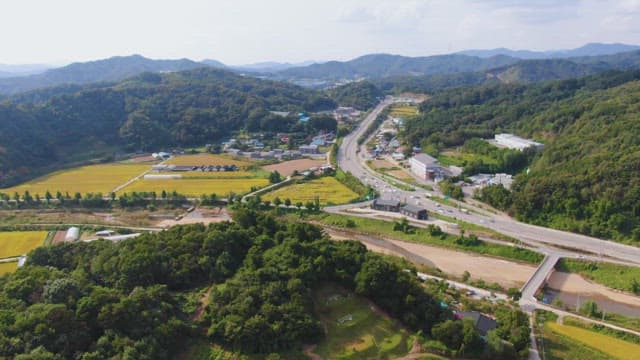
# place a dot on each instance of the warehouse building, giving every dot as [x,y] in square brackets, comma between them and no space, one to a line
[515,142]
[386,205]
[414,212]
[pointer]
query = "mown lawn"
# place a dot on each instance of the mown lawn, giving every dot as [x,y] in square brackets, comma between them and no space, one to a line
[7,268]
[420,235]
[16,243]
[619,277]
[101,178]
[363,333]
[194,187]
[609,345]
[327,189]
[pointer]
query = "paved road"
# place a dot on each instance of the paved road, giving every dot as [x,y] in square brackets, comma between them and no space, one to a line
[352,160]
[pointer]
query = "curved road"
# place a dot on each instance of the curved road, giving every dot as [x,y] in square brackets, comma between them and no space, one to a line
[352,160]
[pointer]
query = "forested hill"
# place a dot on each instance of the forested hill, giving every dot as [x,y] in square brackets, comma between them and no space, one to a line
[105,300]
[586,179]
[383,65]
[108,70]
[146,112]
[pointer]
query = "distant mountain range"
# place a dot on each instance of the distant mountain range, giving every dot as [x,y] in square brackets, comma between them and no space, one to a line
[108,70]
[503,64]
[592,49]
[22,69]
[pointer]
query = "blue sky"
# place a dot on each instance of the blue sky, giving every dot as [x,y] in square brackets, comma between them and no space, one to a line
[247,31]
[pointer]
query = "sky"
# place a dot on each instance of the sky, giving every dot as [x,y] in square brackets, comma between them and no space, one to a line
[247,31]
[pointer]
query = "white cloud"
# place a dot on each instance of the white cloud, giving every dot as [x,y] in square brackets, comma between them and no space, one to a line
[241,31]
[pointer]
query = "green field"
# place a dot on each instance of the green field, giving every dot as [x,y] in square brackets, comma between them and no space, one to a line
[7,268]
[86,179]
[609,345]
[196,187]
[327,189]
[16,243]
[619,277]
[421,235]
[209,159]
[460,158]
[368,334]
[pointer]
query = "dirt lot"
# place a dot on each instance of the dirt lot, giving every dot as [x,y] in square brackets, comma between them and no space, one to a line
[400,174]
[288,167]
[198,216]
[506,273]
[574,283]
[382,164]
[58,237]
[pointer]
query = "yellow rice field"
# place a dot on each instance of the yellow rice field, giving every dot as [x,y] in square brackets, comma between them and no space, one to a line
[16,243]
[404,111]
[196,187]
[6,268]
[208,159]
[615,347]
[327,189]
[101,178]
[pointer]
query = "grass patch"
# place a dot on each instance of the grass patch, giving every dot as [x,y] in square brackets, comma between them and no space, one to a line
[462,158]
[354,329]
[16,243]
[201,349]
[626,278]
[194,187]
[8,267]
[422,236]
[327,189]
[609,345]
[86,179]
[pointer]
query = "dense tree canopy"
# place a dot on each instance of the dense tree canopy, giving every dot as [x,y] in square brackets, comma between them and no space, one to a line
[103,299]
[585,179]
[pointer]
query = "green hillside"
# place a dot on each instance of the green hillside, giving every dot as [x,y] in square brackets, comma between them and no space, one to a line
[586,179]
[148,112]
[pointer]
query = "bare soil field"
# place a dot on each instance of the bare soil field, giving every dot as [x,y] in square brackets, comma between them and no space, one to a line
[506,273]
[288,167]
[382,164]
[198,217]
[400,174]
[574,283]
[58,237]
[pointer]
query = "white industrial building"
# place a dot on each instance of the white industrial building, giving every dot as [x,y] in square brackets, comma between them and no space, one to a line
[425,166]
[73,234]
[515,142]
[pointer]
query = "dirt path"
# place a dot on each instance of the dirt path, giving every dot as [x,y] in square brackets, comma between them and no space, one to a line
[308,350]
[204,301]
[574,283]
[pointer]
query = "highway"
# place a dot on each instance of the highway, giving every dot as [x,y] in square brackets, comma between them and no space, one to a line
[352,160]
